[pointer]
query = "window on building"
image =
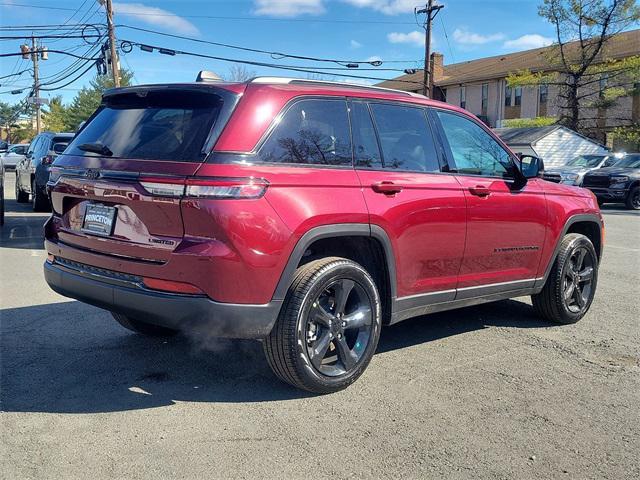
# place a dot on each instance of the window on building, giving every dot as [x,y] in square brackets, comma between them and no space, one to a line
[518,96]
[485,98]
[311,132]
[463,97]
[544,93]
[507,96]
[405,138]
[604,81]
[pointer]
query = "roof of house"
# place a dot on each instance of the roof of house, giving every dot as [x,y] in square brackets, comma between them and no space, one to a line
[625,44]
[525,135]
[530,135]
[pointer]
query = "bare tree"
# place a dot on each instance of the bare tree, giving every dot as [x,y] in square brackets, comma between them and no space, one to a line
[240,73]
[579,63]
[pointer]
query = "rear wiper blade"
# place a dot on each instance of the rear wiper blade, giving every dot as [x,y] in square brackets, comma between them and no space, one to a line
[96,148]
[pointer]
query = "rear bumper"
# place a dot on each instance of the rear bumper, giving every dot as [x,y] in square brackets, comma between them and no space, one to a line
[197,314]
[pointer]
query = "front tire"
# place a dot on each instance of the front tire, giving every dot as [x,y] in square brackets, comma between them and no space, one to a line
[21,197]
[1,205]
[571,285]
[142,327]
[39,200]
[328,327]
[633,199]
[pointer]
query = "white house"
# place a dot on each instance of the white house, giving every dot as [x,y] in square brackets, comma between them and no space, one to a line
[556,145]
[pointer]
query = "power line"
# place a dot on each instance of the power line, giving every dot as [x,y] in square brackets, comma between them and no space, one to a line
[223,17]
[275,55]
[62,52]
[319,70]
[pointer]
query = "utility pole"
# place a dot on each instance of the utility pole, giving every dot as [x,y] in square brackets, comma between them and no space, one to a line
[35,53]
[36,83]
[430,11]
[115,68]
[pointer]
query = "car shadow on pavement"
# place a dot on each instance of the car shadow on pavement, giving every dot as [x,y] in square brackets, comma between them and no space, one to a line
[73,358]
[21,230]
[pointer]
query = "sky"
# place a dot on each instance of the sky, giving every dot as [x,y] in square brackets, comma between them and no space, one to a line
[351,30]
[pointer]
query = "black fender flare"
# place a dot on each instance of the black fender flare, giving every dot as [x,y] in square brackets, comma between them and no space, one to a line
[336,230]
[578,218]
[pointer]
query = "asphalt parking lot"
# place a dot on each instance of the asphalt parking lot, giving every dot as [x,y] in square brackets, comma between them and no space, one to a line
[484,392]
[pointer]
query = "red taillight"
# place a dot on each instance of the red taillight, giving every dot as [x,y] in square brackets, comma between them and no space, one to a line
[226,187]
[216,188]
[171,286]
[48,159]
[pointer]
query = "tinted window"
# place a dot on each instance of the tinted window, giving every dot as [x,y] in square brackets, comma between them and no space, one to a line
[585,161]
[405,138]
[311,132]
[154,125]
[474,151]
[365,144]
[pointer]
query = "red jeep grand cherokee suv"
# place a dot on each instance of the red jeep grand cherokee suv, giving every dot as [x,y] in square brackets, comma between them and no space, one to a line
[307,214]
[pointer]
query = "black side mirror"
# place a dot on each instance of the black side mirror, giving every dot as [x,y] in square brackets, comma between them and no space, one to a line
[58,148]
[531,167]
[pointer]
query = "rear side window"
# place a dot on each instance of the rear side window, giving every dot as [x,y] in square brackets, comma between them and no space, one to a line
[365,145]
[405,138]
[151,125]
[312,131]
[474,151]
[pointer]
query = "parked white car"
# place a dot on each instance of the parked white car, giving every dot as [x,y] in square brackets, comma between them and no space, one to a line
[14,154]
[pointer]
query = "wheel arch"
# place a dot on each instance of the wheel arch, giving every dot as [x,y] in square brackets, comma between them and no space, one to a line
[366,244]
[589,225]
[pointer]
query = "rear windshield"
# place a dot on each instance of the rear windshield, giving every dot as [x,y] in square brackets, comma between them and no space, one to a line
[150,125]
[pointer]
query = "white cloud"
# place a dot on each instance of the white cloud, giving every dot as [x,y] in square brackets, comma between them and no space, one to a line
[374,58]
[388,7]
[525,42]
[288,8]
[465,37]
[355,44]
[415,38]
[156,16]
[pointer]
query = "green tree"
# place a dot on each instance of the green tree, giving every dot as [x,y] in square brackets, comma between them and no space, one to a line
[9,115]
[54,116]
[578,61]
[88,98]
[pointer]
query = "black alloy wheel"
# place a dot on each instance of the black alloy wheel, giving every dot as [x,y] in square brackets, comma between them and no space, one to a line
[633,200]
[328,327]
[339,327]
[571,284]
[578,279]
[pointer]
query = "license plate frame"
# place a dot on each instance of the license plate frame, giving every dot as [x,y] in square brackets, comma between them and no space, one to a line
[99,219]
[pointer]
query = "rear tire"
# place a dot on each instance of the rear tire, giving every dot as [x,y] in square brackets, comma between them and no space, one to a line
[633,199]
[143,327]
[571,285]
[1,205]
[39,200]
[21,197]
[328,327]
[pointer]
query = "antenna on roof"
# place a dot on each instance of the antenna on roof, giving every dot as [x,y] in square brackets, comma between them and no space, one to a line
[207,76]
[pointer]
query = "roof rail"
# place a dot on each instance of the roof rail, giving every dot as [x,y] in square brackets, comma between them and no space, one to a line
[288,81]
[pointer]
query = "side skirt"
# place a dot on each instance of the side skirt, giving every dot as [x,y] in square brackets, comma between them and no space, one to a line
[402,311]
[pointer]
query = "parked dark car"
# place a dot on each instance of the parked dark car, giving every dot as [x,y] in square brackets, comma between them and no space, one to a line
[307,214]
[1,192]
[617,184]
[32,173]
[573,172]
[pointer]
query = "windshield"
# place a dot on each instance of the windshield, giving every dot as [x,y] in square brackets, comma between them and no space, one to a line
[151,125]
[630,161]
[586,161]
